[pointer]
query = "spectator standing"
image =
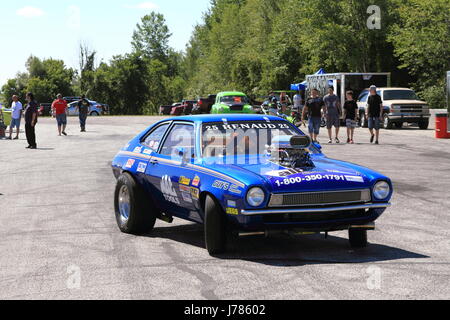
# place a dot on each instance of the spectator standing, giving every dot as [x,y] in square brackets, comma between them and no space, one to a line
[374,114]
[31,116]
[298,103]
[350,116]
[16,116]
[83,111]
[313,108]
[59,110]
[333,113]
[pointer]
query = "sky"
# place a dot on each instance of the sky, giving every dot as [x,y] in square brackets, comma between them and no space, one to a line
[55,29]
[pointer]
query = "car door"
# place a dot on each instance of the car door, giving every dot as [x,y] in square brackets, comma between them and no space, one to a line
[170,173]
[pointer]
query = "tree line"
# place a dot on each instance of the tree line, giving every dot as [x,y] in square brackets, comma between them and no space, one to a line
[256,46]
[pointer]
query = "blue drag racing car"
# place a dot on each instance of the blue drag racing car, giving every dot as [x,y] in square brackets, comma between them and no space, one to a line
[245,175]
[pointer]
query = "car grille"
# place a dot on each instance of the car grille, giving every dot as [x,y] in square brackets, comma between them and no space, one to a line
[237,108]
[412,108]
[319,198]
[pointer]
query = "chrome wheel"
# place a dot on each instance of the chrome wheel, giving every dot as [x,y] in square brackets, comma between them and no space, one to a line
[124,203]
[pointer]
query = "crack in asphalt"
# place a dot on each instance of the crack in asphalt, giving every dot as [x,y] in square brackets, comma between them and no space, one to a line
[208,284]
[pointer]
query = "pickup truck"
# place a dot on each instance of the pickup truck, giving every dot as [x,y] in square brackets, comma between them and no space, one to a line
[400,105]
[204,105]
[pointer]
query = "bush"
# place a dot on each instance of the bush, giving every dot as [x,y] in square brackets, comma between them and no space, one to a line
[434,96]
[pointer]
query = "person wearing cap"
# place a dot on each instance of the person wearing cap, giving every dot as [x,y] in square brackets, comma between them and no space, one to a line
[59,111]
[333,113]
[313,110]
[374,114]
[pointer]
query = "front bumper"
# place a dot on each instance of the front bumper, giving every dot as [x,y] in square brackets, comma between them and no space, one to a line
[313,219]
[409,118]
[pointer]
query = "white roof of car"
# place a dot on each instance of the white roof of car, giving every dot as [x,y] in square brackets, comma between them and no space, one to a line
[392,88]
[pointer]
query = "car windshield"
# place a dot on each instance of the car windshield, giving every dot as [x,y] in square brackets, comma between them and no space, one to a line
[247,138]
[235,99]
[400,95]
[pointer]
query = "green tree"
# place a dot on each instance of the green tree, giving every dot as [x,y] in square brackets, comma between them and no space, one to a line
[151,37]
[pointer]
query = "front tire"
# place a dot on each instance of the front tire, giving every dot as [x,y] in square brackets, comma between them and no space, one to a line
[215,227]
[358,238]
[387,122]
[423,125]
[134,211]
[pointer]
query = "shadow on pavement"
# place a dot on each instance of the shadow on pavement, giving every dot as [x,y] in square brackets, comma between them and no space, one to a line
[289,251]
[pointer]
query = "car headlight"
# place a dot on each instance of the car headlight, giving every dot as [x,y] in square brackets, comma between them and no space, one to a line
[255,197]
[381,190]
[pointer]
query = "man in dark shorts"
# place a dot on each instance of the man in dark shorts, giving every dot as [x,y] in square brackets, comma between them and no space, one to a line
[351,116]
[59,111]
[374,114]
[83,111]
[313,108]
[333,112]
[31,114]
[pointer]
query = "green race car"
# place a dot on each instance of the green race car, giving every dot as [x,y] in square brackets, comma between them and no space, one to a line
[232,102]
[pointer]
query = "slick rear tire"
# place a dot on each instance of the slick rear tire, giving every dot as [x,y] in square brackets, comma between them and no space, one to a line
[134,211]
[358,238]
[215,227]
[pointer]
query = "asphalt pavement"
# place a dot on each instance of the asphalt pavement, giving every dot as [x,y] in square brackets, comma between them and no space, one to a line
[59,238]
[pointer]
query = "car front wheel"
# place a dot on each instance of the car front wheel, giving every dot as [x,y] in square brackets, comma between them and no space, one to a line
[387,122]
[423,125]
[358,238]
[215,227]
[134,212]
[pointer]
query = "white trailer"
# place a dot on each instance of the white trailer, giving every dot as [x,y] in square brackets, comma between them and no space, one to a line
[343,82]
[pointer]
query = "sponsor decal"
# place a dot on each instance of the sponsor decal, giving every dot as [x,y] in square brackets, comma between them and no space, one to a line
[130,163]
[185,181]
[195,193]
[355,179]
[168,191]
[147,152]
[142,167]
[184,188]
[196,181]
[226,186]
[187,197]
[234,189]
[232,204]
[232,211]
[221,185]
[137,150]
[151,144]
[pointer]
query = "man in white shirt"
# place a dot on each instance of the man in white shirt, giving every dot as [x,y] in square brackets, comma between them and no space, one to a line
[16,115]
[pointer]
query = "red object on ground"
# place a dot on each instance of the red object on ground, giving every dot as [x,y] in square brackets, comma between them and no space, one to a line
[442,126]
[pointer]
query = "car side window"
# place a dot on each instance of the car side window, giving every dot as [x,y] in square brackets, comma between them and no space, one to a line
[154,139]
[180,139]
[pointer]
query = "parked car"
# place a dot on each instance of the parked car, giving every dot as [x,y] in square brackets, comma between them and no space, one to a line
[96,109]
[5,115]
[204,105]
[165,110]
[45,109]
[188,106]
[177,109]
[179,168]
[400,105]
[232,102]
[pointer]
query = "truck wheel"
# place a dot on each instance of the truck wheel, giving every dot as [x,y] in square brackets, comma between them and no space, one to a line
[358,238]
[399,125]
[215,227]
[423,125]
[134,213]
[387,123]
